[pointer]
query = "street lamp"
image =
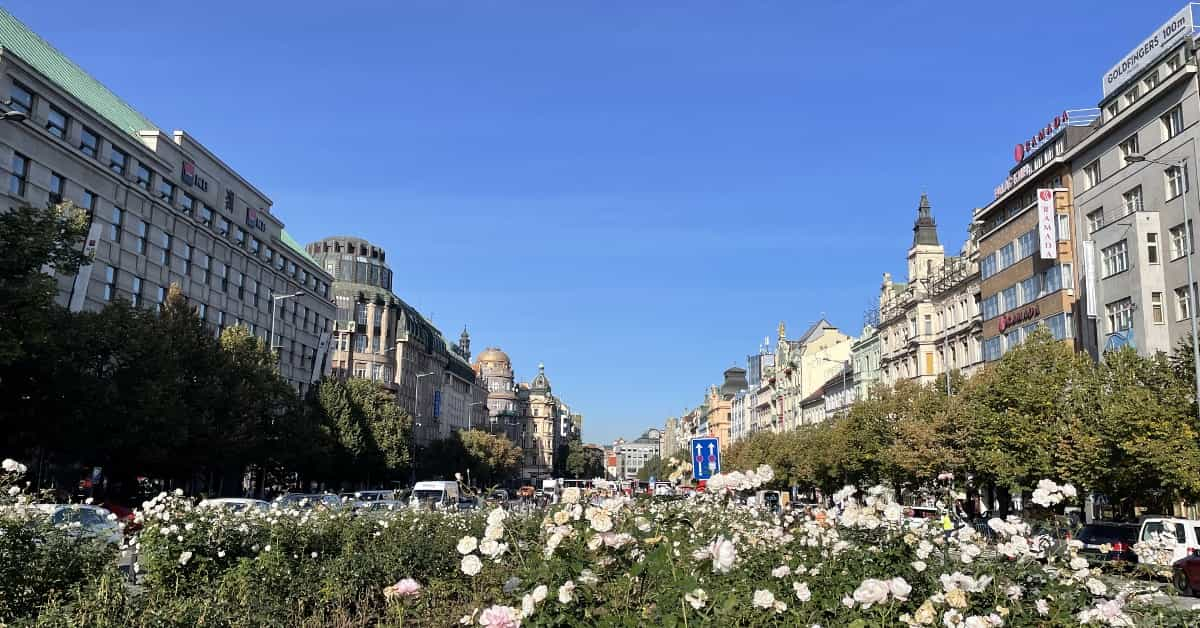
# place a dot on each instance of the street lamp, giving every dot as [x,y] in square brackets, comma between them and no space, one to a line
[416,424]
[274,307]
[1187,233]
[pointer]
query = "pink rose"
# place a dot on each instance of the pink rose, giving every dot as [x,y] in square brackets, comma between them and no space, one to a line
[500,617]
[405,588]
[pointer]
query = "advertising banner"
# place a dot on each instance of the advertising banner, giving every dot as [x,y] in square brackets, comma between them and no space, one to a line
[1046,224]
[1160,41]
[1089,269]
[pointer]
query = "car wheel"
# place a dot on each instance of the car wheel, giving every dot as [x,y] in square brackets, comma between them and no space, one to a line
[1180,579]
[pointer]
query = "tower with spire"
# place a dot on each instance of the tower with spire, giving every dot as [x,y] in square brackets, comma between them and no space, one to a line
[464,344]
[927,253]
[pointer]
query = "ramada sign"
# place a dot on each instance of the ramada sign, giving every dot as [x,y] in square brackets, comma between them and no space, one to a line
[1019,316]
[1043,134]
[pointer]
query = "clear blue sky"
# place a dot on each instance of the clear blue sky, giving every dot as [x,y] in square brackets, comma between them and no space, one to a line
[634,193]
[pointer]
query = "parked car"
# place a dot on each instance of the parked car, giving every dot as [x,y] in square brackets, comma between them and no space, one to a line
[1185,531]
[381,506]
[525,492]
[498,496]
[309,500]
[369,496]
[435,494]
[1185,574]
[234,504]
[1119,537]
[91,521]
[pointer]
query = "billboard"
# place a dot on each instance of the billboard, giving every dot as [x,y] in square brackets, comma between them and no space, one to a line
[1181,25]
[1046,224]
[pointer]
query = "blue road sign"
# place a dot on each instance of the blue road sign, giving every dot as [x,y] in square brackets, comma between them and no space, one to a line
[706,458]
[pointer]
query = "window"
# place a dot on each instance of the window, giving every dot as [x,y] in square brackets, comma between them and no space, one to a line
[21,98]
[205,267]
[140,242]
[928,324]
[56,122]
[360,369]
[280,260]
[1116,258]
[1120,315]
[88,200]
[206,214]
[360,343]
[223,226]
[118,224]
[1127,148]
[1152,248]
[1173,64]
[143,177]
[268,254]
[238,285]
[117,159]
[1151,81]
[239,235]
[164,257]
[1006,255]
[1028,289]
[253,293]
[987,266]
[1156,308]
[20,172]
[1091,175]
[1131,96]
[291,268]
[89,142]
[1176,181]
[187,203]
[57,186]
[1113,109]
[202,312]
[1172,122]
[110,283]
[186,253]
[254,245]
[135,292]
[162,297]
[1009,298]
[221,278]
[166,190]
[992,349]
[1131,201]
[1180,240]
[1183,304]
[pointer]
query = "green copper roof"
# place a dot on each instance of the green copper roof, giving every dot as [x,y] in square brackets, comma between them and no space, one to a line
[292,244]
[37,52]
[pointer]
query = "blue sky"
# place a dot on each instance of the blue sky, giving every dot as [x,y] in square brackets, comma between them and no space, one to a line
[633,193]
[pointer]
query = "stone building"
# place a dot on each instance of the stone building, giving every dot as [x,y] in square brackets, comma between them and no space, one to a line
[801,367]
[162,209]
[932,320]
[378,336]
[529,414]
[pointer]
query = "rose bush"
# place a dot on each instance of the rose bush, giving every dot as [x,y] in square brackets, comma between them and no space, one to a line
[594,560]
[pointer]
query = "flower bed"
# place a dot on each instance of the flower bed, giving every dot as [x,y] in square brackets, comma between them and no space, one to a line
[590,561]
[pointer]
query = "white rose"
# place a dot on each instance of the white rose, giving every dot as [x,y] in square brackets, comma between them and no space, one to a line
[781,571]
[1096,587]
[899,588]
[467,544]
[497,516]
[764,599]
[723,554]
[562,517]
[493,531]
[601,521]
[893,512]
[540,592]
[918,565]
[570,495]
[489,548]
[471,565]
[802,592]
[1043,607]
[566,592]
[871,592]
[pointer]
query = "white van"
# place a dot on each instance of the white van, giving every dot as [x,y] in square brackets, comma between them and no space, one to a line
[436,494]
[1186,532]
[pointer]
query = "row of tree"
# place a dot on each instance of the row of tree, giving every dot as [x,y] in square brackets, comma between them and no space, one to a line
[1124,427]
[152,393]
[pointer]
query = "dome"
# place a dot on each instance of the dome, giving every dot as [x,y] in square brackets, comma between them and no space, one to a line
[493,354]
[541,382]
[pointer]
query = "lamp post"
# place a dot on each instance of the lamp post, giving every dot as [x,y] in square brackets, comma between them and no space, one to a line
[416,424]
[1187,234]
[274,307]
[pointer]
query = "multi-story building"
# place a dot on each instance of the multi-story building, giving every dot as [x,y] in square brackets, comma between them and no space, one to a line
[864,361]
[163,209]
[670,437]
[632,455]
[612,461]
[801,366]
[930,322]
[1026,243]
[378,336]
[1132,192]
[527,413]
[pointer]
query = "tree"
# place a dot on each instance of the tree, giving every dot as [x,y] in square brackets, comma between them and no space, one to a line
[576,462]
[653,467]
[491,457]
[371,434]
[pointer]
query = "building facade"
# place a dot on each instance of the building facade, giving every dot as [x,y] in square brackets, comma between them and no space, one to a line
[801,367]
[1131,228]
[864,361]
[931,321]
[163,209]
[378,336]
[1026,242]
[632,455]
[529,414]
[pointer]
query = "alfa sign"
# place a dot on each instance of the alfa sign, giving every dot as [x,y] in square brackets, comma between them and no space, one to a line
[706,458]
[1179,27]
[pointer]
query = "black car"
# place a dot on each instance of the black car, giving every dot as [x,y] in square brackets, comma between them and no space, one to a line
[1119,537]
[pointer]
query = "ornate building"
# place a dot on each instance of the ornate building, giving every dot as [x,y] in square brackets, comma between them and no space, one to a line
[932,321]
[801,367]
[380,337]
[527,413]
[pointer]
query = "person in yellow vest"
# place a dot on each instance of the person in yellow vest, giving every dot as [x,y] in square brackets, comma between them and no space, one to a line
[947,524]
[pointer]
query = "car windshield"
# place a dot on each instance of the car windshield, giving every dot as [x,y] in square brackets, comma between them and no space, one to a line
[1100,534]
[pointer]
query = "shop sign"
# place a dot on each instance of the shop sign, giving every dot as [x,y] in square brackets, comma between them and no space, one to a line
[1046,224]
[1153,47]
[190,177]
[253,221]
[1019,316]
[1038,139]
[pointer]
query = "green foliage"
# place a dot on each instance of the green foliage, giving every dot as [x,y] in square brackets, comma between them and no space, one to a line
[653,467]
[370,433]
